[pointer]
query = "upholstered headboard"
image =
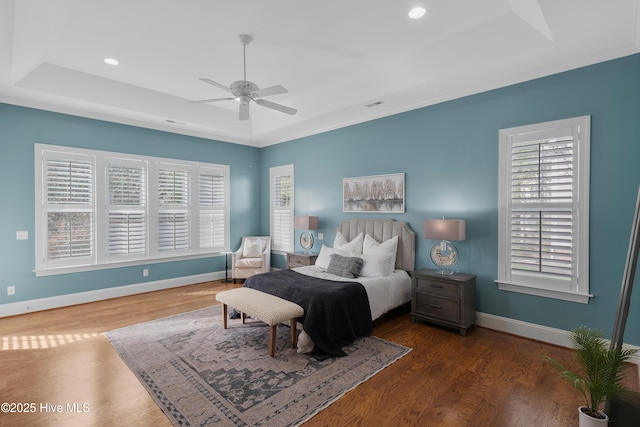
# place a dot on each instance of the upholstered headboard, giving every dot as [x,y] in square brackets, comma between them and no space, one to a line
[385,229]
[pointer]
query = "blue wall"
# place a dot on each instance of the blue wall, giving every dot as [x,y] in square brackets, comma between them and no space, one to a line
[20,128]
[449,153]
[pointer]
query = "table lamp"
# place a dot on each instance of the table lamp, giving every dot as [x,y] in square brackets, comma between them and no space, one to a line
[444,254]
[306,223]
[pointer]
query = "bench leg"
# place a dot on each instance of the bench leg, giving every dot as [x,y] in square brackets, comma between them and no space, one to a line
[272,339]
[224,316]
[292,325]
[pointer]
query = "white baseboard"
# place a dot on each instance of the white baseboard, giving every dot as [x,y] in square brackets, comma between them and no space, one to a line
[535,332]
[40,304]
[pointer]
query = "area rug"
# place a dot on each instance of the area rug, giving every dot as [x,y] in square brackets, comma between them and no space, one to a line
[203,375]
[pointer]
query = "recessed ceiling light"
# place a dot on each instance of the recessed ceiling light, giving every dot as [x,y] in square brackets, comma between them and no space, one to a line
[111,61]
[417,12]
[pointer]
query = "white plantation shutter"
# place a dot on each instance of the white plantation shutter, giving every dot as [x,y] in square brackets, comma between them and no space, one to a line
[281,195]
[542,192]
[127,233]
[212,205]
[127,211]
[544,206]
[69,204]
[173,208]
[126,208]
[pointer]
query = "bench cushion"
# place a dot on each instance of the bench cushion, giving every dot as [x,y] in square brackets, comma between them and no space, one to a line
[268,308]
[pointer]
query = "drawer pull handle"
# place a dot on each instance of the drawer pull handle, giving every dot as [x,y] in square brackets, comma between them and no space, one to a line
[436,306]
[437,286]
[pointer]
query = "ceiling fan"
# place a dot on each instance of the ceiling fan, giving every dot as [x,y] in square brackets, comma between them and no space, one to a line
[245,91]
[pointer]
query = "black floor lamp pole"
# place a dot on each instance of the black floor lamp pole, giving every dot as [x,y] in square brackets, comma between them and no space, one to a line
[226,268]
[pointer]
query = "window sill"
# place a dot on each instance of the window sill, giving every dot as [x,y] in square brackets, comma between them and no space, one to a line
[96,267]
[547,293]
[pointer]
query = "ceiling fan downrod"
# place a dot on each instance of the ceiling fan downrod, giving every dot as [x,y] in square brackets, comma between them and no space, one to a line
[245,40]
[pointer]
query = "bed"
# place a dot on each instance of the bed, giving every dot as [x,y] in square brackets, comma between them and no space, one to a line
[340,309]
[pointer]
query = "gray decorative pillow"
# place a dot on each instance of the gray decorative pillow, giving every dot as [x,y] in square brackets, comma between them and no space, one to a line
[345,266]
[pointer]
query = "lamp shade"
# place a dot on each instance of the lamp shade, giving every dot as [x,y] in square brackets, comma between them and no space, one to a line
[444,229]
[306,222]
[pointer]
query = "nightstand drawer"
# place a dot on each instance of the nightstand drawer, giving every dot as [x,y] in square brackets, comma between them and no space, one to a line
[439,307]
[437,287]
[300,260]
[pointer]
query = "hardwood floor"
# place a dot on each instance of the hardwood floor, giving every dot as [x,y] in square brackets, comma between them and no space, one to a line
[60,357]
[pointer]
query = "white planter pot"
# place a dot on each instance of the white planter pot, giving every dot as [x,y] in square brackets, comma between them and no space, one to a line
[587,421]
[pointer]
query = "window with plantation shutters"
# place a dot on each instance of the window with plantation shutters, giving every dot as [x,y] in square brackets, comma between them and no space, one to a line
[173,208]
[100,209]
[543,215]
[69,208]
[126,208]
[281,200]
[212,202]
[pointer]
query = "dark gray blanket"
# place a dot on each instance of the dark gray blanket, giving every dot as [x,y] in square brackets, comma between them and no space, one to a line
[335,313]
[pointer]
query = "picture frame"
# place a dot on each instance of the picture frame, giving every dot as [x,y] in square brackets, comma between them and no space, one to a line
[374,194]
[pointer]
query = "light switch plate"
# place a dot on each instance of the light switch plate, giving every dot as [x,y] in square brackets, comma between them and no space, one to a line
[22,235]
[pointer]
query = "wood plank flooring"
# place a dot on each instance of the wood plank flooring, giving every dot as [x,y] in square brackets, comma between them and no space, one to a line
[60,357]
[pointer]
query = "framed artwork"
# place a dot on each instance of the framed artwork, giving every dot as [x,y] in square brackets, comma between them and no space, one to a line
[374,194]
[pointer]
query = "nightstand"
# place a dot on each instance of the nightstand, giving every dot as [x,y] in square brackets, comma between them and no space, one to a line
[446,300]
[300,259]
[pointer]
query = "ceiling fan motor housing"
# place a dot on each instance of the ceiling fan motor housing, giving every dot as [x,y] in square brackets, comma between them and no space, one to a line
[243,87]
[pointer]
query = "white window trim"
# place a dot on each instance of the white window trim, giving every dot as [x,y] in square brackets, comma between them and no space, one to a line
[100,259]
[273,173]
[578,290]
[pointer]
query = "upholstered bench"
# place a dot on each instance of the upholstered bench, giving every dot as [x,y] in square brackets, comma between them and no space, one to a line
[267,308]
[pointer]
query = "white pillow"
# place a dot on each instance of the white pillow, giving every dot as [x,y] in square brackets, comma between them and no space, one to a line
[253,248]
[377,265]
[325,255]
[372,247]
[354,245]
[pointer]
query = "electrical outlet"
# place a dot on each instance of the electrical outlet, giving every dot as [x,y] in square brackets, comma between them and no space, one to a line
[145,272]
[11,290]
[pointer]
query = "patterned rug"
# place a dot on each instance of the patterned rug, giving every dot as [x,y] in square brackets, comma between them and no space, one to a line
[203,375]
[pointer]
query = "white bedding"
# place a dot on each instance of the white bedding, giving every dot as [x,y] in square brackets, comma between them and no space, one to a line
[384,293]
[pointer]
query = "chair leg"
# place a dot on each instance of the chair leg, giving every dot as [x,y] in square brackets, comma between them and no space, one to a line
[292,326]
[224,316]
[272,339]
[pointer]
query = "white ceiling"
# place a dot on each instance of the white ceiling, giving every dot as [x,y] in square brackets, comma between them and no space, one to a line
[334,56]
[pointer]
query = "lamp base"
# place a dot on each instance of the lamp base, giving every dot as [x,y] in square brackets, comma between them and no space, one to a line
[306,241]
[445,256]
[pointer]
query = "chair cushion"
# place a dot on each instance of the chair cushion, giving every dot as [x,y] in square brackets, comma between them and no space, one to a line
[253,248]
[249,263]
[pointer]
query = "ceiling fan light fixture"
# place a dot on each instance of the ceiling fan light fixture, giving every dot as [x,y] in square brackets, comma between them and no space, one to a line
[111,61]
[244,91]
[417,12]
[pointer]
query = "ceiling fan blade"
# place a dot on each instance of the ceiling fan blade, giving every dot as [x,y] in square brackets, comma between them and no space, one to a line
[268,91]
[244,111]
[204,101]
[279,107]
[216,84]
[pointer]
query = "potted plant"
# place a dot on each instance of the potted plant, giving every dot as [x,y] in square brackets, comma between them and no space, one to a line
[601,376]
